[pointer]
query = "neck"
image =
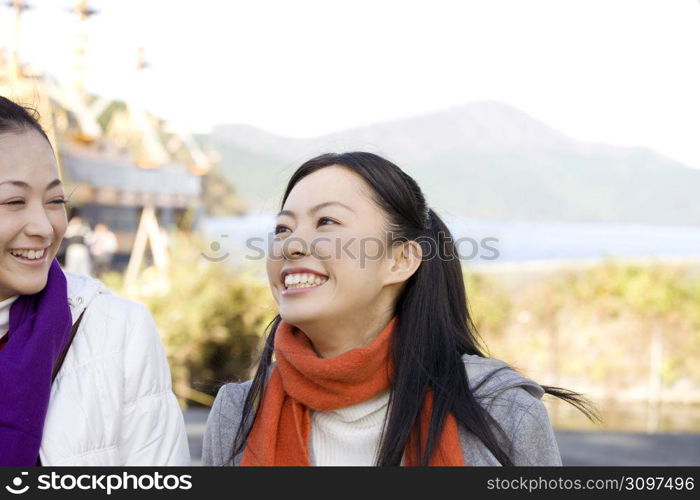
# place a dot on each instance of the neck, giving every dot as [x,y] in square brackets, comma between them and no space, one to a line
[332,338]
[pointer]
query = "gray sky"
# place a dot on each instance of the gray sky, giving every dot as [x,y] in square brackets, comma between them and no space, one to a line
[615,71]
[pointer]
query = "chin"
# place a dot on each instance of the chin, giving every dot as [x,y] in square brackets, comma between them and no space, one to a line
[31,287]
[26,285]
[297,316]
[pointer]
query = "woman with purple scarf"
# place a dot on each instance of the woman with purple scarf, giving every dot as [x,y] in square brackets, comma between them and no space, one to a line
[83,375]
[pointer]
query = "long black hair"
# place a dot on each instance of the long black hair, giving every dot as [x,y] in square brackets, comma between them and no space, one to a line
[434,327]
[16,118]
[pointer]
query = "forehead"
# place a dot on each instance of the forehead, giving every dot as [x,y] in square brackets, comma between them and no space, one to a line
[332,183]
[26,155]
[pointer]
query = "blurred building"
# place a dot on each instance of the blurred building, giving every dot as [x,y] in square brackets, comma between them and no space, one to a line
[120,165]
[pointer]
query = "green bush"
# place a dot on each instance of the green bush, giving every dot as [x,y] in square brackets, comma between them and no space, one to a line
[489,304]
[210,315]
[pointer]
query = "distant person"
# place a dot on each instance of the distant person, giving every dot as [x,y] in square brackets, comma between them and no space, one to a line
[377,361]
[83,375]
[78,258]
[103,246]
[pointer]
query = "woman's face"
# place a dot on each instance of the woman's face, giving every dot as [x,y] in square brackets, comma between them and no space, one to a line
[32,212]
[330,226]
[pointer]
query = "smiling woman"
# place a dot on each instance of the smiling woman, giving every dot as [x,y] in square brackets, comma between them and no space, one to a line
[42,200]
[377,359]
[83,373]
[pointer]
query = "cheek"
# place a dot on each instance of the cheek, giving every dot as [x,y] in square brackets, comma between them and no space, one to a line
[349,252]
[324,249]
[358,270]
[363,254]
[356,287]
[273,268]
[371,253]
[59,222]
[8,231]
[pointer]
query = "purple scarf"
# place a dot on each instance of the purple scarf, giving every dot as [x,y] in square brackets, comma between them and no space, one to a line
[40,326]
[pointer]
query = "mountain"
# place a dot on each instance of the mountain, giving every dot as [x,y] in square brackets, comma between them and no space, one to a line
[485,160]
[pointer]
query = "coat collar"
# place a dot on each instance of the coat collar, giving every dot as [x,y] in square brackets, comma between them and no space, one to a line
[82,290]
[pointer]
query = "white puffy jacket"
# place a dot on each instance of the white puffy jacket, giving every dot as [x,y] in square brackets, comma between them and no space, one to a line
[112,402]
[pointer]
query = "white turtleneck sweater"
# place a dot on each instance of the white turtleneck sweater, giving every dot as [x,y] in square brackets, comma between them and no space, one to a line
[350,435]
[5,315]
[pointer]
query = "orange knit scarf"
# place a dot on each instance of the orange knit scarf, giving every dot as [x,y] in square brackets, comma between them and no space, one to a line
[302,381]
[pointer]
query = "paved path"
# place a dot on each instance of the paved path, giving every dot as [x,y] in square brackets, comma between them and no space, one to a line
[628,448]
[577,448]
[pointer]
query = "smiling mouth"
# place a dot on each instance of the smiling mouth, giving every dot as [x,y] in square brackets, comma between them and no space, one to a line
[301,281]
[29,255]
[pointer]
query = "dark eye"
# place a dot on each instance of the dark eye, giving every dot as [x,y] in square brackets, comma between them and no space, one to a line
[279,227]
[15,202]
[326,218]
[59,202]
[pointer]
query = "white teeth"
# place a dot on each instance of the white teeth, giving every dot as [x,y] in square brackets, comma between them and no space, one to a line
[303,280]
[29,254]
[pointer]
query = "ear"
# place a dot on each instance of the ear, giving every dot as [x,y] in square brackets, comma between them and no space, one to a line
[405,259]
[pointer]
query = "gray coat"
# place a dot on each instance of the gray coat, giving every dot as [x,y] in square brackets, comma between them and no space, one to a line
[513,400]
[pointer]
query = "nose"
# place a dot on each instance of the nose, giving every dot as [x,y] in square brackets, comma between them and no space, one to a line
[38,223]
[296,246]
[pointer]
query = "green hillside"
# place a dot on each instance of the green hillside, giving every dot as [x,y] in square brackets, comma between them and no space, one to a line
[485,160]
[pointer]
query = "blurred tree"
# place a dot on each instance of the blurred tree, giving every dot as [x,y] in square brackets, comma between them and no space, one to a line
[210,316]
[220,196]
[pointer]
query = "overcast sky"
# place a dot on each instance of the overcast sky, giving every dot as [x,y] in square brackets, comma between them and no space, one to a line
[615,71]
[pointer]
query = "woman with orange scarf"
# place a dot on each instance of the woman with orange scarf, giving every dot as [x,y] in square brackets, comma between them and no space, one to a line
[376,359]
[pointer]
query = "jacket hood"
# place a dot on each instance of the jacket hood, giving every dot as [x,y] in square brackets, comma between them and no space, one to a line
[489,376]
[82,290]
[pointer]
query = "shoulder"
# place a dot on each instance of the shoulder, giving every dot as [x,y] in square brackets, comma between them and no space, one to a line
[228,404]
[104,313]
[500,388]
[119,313]
[222,424]
[113,330]
[515,403]
[489,377]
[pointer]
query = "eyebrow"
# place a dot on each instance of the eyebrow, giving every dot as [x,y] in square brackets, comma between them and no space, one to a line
[316,208]
[22,184]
